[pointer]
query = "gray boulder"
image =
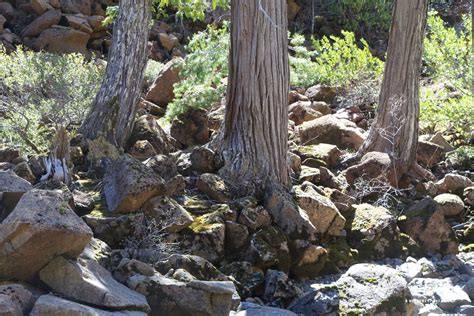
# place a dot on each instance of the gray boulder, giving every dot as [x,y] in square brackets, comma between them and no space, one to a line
[171,297]
[52,305]
[87,281]
[12,188]
[128,184]
[41,227]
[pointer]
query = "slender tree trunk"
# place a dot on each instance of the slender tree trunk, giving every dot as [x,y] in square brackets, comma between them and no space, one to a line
[115,105]
[255,138]
[395,130]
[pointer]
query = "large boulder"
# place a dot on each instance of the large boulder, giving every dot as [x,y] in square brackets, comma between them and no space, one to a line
[62,40]
[41,23]
[191,127]
[449,204]
[171,297]
[331,130]
[12,188]
[425,223]
[88,282]
[41,227]
[50,304]
[322,213]
[291,218]
[327,153]
[373,166]
[128,184]
[161,92]
[146,127]
[365,289]
[374,233]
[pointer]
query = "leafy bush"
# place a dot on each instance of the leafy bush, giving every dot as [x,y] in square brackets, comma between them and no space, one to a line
[40,91]
[204,69]
[448,52]
[447,99]
[337,61]
[364,16]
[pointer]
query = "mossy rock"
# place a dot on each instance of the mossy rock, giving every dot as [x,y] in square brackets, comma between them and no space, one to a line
[340,255]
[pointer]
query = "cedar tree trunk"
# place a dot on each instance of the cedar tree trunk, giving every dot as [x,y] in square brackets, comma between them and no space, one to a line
[115,105]
[255,136]
[395,129]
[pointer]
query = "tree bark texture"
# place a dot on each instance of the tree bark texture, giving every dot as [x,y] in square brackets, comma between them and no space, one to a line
[115,105]
[395,129]
[255,139]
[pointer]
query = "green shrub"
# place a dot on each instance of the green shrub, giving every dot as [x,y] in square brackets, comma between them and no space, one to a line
[204,69]
[448,53]
[447,99]
[336,61]
[362,16]
[40,91]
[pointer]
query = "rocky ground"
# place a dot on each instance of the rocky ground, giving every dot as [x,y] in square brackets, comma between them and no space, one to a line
[157,231]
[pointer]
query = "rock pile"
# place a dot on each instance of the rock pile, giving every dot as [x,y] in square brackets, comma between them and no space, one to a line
[161,232]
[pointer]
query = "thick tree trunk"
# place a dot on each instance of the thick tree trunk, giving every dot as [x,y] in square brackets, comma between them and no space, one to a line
[395,130]
[255,139]
[115,105]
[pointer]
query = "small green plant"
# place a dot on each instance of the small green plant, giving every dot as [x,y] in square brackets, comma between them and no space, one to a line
[336,61]
[204,69]
[41,91]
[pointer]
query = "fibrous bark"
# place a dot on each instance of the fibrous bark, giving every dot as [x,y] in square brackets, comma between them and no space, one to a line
[255,135]
[395,129]
[115,105]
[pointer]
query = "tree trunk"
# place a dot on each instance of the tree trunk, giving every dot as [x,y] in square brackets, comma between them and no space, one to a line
[255,138]
[395,129]
[115,105]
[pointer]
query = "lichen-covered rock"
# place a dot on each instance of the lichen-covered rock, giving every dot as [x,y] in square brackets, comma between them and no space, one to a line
[191,127]
[87,281]
[322,213]
[328,153]
[449,204]
[214,187]
[162,165]
[310,174]
[128,184]
[167,213]
[254,217]
[374,233]
[331,130]
[172,297]
[292,219]
[205,160]
[321,93]
[8,306]
[146,127]
[142,150]
[425,223]
[309,262]
[279,288]
[236,236]
[53,305]
[302,111]
[41,227]
[365,289]
[269,248]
